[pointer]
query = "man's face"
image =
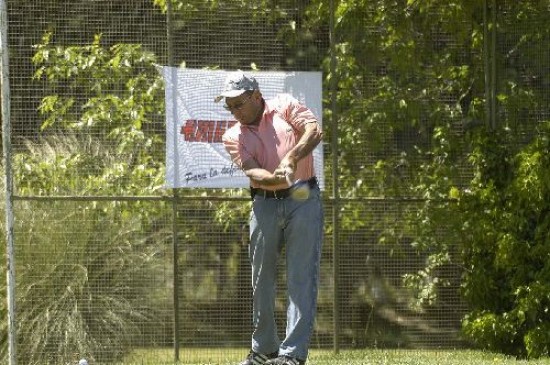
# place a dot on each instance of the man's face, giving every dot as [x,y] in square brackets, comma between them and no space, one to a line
[246,107]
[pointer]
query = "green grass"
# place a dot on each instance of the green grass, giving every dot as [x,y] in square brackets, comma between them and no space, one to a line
[232,356]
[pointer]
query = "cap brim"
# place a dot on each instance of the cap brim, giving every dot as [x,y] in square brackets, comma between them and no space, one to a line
[229,94]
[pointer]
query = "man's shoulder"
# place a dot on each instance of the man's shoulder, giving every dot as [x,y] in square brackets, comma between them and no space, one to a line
[282,99]
[281,102]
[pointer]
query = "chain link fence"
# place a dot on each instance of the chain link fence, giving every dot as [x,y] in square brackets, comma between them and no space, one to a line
[112,267]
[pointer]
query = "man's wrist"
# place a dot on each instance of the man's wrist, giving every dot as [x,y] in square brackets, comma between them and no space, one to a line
[292,158]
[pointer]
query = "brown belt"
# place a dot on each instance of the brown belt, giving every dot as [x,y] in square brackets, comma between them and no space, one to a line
[279,194]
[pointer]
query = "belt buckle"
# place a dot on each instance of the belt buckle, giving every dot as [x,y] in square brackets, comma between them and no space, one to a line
[275,195]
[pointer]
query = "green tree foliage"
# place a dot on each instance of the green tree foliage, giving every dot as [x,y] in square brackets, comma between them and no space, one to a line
[410,90]
[113,94]
[411,97]
[508,250]
[246,33]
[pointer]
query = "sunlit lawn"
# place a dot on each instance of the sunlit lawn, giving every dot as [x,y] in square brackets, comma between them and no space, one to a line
[231,356]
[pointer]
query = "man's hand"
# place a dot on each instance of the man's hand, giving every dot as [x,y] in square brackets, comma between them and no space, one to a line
[287,169]
[253,170]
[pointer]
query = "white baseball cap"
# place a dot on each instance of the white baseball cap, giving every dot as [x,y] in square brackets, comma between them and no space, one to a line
[236,83]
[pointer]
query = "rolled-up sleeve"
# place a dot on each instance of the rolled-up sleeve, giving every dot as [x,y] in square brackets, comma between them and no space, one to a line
[297,114]
[235,147]
[232,147]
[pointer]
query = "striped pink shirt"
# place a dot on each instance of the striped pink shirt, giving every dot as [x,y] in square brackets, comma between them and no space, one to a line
[279,130]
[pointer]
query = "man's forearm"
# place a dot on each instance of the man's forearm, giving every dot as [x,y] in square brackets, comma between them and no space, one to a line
[307,143]
[264,177]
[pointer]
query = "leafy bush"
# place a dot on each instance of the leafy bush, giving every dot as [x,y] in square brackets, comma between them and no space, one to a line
[509,249]
[113,94]
[419,73]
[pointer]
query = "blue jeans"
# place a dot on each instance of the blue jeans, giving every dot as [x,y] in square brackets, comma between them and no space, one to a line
[299,226]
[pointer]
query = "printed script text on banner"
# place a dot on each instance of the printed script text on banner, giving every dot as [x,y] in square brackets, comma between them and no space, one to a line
[195,155]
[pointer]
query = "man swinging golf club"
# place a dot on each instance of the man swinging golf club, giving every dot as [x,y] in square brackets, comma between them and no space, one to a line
[273,143]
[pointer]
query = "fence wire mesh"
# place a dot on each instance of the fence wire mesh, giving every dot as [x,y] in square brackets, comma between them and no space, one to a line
[96,232]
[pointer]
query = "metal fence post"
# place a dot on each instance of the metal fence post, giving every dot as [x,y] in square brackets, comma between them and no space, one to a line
[175,250]
[8,181]
[335,184]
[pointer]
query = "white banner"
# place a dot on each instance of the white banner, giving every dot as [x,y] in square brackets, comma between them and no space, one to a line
[195,155]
